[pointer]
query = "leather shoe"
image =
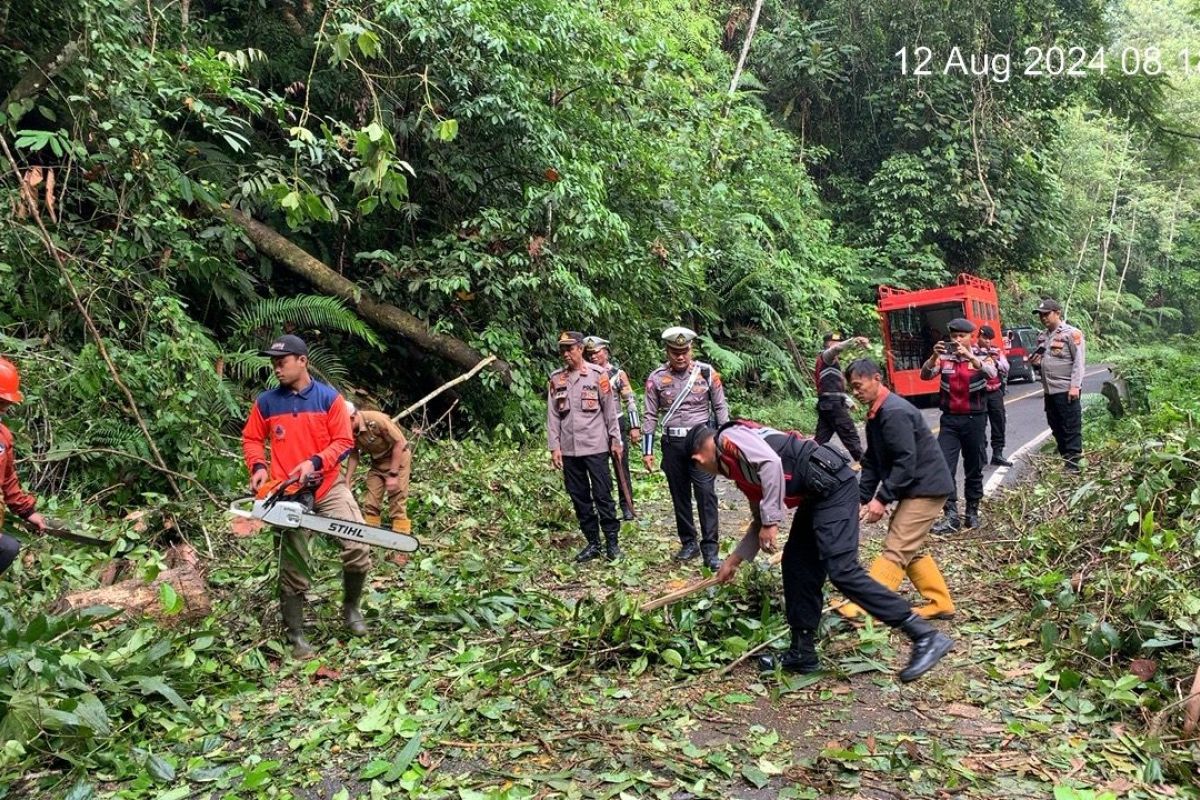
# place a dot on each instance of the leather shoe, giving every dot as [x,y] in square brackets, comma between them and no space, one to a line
[971,518]
[712,562]
[628,516]
[612,552]
[929,645]
[688,551]
[588,553]
[949,523]
[999,460]
[799,658]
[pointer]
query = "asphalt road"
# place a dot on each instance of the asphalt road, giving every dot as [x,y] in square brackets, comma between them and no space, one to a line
[1027,428]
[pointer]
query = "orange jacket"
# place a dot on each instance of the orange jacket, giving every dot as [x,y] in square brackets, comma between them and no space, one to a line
[311,424]
[11,494]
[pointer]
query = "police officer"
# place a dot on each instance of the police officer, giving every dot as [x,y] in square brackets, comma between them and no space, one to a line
[12,496]
[581,431]
[596,350]
[1060,355]
[777,470]
[832,400]
[307,426]
[903,470]
[381,440]
[989,347]
[963,375]
[680,395]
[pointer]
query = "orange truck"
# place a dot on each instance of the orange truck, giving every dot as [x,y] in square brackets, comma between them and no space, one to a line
[913,320]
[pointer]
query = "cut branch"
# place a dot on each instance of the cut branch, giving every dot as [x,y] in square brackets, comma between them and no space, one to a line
[321,275]
[41,73]
[466,376]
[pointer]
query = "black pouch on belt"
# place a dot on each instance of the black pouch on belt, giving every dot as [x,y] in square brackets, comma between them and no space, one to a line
[826,469]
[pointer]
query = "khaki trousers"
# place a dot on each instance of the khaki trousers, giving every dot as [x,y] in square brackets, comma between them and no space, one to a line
[377,486]
[294,557]
[909,528]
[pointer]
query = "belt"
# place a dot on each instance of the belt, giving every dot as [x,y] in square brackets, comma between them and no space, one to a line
[677,433]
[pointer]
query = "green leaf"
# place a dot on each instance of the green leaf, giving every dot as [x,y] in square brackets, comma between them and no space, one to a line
[81,790]
[446,129]
[672,657]
[368,44]
[403,759]
[155,685]
[755,776]
[169,599]
[160,769]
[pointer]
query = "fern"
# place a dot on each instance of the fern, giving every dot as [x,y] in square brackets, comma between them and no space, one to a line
[307,312]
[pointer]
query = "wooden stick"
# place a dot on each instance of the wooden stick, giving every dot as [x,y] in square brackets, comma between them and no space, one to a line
[678,594]
[1191,712]
[466,376]
[725,670]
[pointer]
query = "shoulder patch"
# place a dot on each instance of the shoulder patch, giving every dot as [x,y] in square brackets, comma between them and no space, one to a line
[605,386]
[1077,336]
[716,378]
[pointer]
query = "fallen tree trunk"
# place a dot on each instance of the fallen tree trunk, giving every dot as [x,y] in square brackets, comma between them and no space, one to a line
[137,598]
[304,264]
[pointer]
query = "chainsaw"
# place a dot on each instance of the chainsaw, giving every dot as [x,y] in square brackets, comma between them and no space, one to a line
[288,505]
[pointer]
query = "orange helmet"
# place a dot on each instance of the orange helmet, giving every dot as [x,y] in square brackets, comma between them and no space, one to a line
[10,382]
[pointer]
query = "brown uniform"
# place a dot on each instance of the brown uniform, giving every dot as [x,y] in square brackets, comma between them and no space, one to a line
[379,435]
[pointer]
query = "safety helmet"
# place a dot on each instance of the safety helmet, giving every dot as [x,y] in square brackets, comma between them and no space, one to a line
[10,382]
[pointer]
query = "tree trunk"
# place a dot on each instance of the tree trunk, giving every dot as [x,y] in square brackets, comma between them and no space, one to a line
[1112,216]
[383,314]
[140,599]
[741,63]
[1125,268]
[39,74]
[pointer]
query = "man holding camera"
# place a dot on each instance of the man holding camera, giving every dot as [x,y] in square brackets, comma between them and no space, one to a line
[1060,355]
[963,376]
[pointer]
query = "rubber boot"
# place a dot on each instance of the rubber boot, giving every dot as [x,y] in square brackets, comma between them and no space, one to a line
[688,551]
[884,571]
[352,585]
[711,559]
[611,550]
[925,575]
[402,525]
[971,518]
[999,460]
[928,646]
[949,523]
[800,657]
[373,520]
[291,608]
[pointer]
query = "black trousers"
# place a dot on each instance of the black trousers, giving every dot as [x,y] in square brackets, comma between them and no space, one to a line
[1066,423]
[823,543]
[8,551]
[684,479]
[998,419]
[624,479]
[964,433]
[589,484]
[832,417]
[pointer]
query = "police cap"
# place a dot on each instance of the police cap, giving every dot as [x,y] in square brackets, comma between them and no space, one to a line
[1047,305]
[986,331]
[961,325]
[832,336]
[593,343]
[569,339]
[678,337]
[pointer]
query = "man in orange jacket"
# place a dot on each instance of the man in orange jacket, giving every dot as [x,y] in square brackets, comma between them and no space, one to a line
[308,428]
[12,496]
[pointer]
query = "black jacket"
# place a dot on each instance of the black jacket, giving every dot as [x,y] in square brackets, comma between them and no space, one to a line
[902,459]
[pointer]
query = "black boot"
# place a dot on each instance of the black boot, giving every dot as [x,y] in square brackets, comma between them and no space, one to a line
[611,550]
[291,608]
[971,518]
[949,522]
[999,460]
[928,646]
[352,588]
[688,551]
[800,657]
[711,559]
[590,551]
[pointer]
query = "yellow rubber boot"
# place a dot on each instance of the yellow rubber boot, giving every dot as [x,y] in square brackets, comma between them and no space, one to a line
[402,525]
[372,520]
[925,575]
[883,570]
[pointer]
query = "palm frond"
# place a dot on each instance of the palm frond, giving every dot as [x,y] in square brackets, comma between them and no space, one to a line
[309,312]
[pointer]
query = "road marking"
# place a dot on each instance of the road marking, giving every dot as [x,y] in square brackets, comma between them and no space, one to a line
[997,477]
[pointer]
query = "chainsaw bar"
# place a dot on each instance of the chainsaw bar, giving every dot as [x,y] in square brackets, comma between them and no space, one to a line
[290,514]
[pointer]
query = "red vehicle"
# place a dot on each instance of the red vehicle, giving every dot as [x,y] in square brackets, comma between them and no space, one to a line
[913,320]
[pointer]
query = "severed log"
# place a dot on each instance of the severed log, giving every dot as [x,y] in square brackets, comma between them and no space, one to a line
[137,598]
[386,315]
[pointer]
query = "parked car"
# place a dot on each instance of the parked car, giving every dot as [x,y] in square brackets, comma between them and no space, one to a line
[1022,341]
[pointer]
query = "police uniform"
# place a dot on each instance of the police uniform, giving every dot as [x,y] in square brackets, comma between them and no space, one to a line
[377,438]
[778,470]
[677,402]
[628,421]
[832,400]
[994,396]
[962,395]
[581,424]
[1062,365]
